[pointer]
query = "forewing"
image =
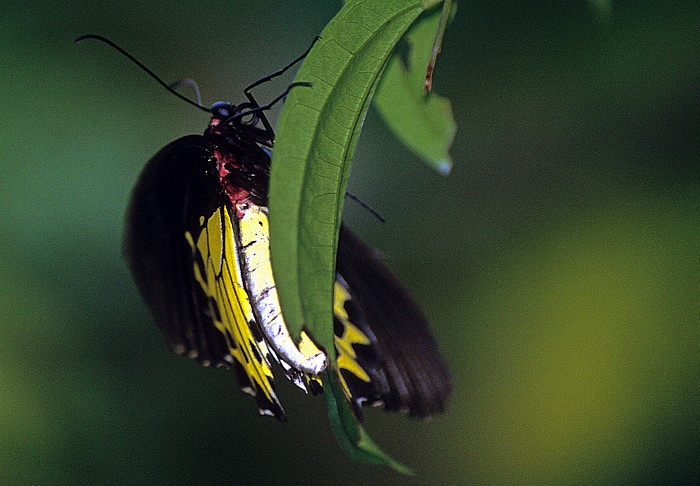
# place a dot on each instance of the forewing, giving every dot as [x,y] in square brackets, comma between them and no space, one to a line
[158,256]
[182,253]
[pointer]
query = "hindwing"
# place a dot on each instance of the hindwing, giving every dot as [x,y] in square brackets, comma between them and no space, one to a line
[410,373]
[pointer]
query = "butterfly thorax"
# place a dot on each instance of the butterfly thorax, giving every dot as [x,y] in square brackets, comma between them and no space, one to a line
[242,163]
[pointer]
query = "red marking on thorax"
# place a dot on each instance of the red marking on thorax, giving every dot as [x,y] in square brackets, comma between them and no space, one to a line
[239,197]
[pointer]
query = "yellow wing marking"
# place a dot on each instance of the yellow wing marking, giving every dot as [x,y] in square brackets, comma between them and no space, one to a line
[347,357]
[230,306]
[307,346]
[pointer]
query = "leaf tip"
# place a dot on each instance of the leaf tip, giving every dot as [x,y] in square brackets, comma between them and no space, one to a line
[444,166]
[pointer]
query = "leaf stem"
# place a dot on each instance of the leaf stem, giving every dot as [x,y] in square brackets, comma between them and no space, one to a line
[437,46]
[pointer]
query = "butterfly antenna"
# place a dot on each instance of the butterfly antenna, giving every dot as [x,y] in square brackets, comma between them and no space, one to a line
[366,206]
[259,109]
[281,71]
[139,64]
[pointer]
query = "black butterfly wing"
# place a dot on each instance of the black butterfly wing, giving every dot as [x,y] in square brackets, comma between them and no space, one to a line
[157,255]
[181,248]
[417,378]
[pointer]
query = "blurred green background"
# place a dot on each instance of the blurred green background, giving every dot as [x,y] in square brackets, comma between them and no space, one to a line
[558,262]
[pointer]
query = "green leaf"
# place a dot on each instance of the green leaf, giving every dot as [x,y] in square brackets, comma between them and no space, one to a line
[352,437]
[424,123]
[317,134]
[316,140]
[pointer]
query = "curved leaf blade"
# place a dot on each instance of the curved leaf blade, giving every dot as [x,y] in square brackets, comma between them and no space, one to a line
[317,134]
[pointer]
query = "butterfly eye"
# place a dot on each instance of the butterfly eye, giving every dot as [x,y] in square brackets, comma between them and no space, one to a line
[249,119]
[223,110]
[245,116]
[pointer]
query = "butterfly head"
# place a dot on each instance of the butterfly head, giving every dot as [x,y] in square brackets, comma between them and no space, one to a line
[227,115]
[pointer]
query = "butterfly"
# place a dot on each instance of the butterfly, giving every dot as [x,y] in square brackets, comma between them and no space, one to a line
[197,244]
